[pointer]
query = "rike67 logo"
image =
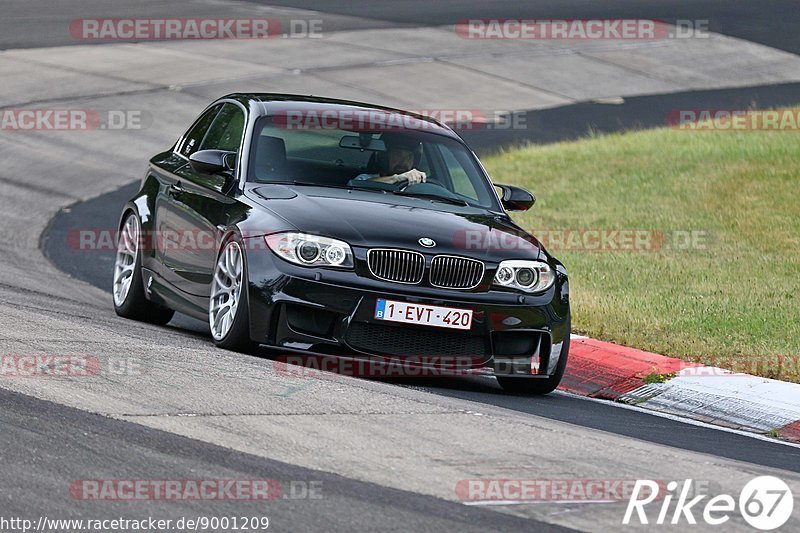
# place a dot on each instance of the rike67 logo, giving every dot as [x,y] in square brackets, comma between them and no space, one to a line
[766,503]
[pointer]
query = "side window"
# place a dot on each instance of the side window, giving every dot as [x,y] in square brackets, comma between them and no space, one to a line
[461,182]
[226,131]
[191,143]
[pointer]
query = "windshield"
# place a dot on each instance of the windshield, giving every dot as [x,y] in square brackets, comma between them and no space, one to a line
[410,162]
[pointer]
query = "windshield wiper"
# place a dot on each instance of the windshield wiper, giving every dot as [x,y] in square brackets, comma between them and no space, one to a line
[431,196]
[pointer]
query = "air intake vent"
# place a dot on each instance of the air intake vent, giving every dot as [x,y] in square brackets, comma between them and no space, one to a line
[390,340]
[452,272]
[400,266]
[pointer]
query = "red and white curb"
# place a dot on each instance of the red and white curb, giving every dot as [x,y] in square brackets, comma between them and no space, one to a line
[708,394]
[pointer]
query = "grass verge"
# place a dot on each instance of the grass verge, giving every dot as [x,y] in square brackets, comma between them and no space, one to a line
[719,282]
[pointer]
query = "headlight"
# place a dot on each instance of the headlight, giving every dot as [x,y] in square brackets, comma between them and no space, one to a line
[528,276]
[311,250]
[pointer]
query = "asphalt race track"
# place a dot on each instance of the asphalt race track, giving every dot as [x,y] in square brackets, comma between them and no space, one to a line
[136,452]
[94,267]
[746,20]
[387,454]
[740,19]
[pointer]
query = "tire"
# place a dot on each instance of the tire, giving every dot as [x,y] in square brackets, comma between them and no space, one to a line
[536,386]
[228,298]
[128,288]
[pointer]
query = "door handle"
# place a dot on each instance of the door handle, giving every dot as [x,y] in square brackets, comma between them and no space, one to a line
[176,189]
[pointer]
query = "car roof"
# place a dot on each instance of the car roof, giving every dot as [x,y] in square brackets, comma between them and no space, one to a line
[272,103]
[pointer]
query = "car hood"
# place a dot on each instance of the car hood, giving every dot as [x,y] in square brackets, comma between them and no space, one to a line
[372,219]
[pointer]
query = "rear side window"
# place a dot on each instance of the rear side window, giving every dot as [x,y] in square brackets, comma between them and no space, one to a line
[192,140]
[226,131]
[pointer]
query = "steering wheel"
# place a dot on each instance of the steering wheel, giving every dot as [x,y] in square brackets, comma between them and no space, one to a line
[434,181]
[404,184]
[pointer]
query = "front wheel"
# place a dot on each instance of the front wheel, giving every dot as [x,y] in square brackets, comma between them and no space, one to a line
[128,288]
[228,313]
[537,386]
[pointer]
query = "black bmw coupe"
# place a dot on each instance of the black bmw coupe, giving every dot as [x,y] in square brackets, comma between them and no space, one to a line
[346,229]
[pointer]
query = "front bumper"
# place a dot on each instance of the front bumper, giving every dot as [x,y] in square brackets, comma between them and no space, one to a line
[331,312]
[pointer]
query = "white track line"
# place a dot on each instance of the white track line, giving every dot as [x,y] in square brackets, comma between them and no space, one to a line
[676,418]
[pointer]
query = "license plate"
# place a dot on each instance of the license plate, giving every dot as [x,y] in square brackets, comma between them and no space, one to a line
[426,315]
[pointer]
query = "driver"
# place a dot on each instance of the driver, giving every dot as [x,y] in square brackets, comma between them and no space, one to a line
[396,164]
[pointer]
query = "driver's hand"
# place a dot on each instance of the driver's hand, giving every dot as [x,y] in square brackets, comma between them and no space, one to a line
[413,176]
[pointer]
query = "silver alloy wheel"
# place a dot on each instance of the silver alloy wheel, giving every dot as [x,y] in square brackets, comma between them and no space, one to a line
[225,291]
[127,249]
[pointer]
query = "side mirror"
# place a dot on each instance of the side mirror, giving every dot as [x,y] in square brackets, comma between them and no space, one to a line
[515,198]
[213,162]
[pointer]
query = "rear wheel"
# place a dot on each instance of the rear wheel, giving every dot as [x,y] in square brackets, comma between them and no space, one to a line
[228,312]
[128,288]
[538,386]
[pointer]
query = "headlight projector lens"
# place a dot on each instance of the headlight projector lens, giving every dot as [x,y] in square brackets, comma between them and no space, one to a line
[526,277]
[308,252]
